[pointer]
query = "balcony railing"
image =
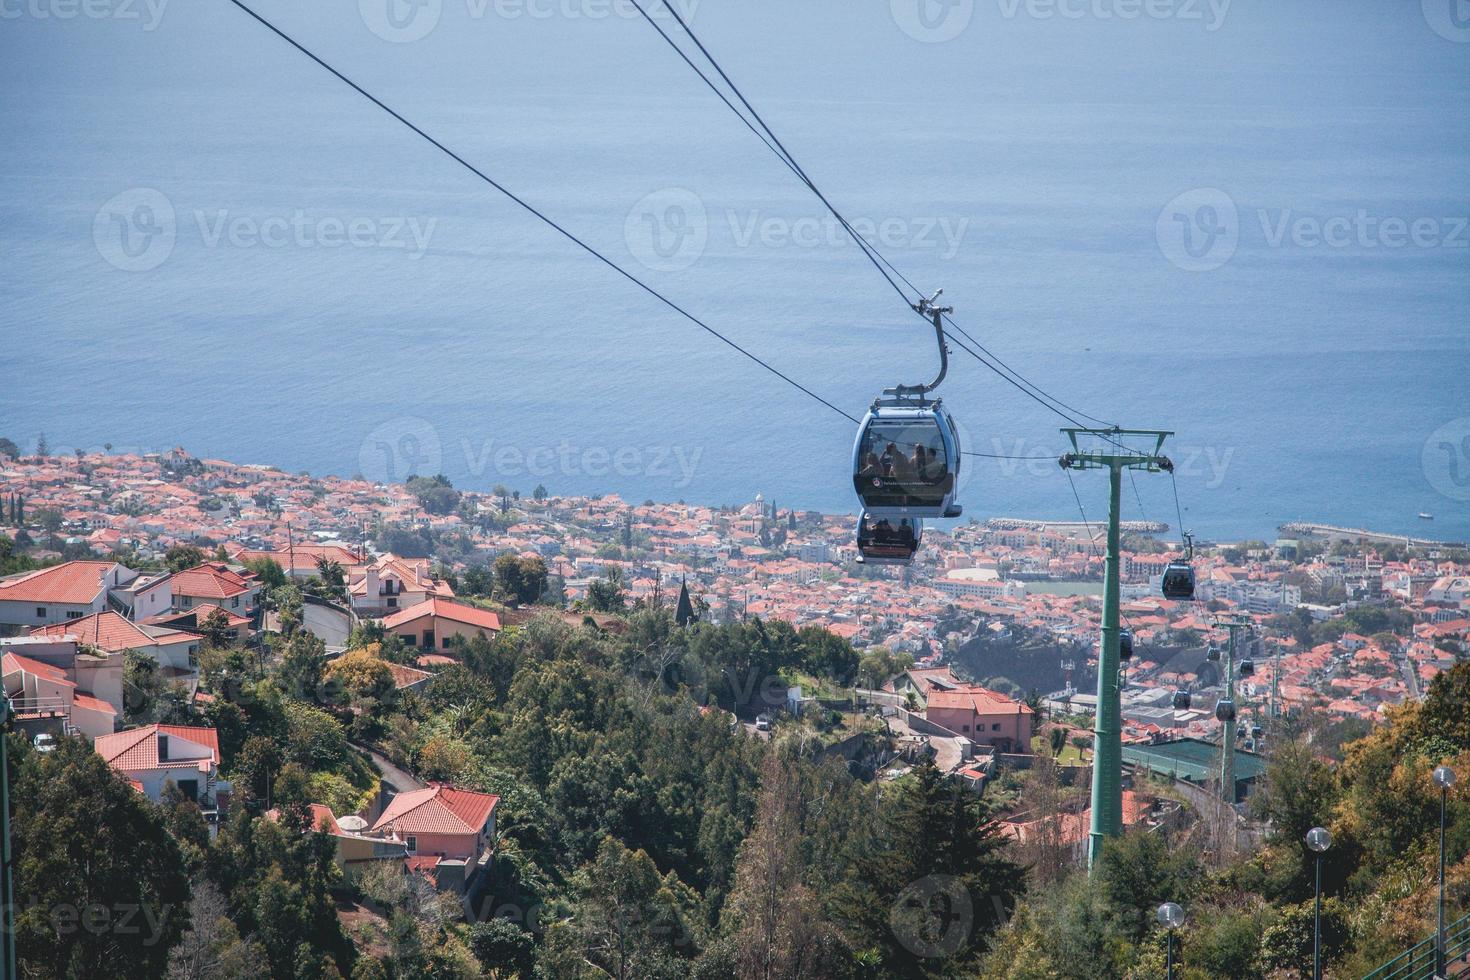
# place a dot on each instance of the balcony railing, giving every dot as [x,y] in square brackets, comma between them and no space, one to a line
[1418,962]
[44,707]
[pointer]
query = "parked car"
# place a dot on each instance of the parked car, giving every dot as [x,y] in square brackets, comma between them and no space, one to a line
[762,723]
[44,742]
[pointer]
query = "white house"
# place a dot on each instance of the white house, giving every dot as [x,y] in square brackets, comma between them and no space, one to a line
[60,593]
[154,756]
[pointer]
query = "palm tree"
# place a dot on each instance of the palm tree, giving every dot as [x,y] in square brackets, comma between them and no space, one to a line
[457,715]
[1058,741]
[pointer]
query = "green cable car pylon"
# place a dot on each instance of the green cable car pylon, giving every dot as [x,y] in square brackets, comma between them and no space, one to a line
[1107,732]
[1227,725]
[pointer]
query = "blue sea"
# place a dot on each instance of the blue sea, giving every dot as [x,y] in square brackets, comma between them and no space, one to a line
[1241,221]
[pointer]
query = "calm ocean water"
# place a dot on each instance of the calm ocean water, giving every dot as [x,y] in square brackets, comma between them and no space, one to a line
[1244,222]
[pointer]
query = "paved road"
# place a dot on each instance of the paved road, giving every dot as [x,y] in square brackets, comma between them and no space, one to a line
[401,780]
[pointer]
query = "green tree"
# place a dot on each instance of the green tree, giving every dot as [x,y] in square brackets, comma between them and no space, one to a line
[89,849]
[333,579]
[436,494]
[215,628]
[299,673]
[1137,872]
[606,594]
[182,557]
[1287,943]
[478,580]
[925,896]
[270,574]
[504,947]
[629,921]
[539,494]
[519,581]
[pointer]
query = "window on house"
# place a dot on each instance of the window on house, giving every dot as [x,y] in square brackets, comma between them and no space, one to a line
[428,639]
[964,728]
[995,728]
[235,603]
[412,843]
[73,615]
[193,656]
[40,612]
[392,603]
[186,601]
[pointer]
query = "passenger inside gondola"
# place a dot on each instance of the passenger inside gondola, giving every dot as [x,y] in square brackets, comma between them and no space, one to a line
[911,467]
[885,537]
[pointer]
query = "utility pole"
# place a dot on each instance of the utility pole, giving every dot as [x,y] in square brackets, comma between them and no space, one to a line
[1107,732]
[7,882]
[1275,686]
[1227,726]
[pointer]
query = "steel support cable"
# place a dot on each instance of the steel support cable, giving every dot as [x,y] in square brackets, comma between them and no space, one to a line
[538,214]
[773,142]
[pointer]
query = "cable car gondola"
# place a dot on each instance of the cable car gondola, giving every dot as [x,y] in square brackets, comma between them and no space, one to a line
[1178,580]
[906,459]
[1213,654]
[1125,645]
[888,541]
[1225,711]
[1183,701]
[1247,668]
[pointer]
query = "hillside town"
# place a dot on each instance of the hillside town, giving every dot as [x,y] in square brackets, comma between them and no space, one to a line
[400,547]
[135,585]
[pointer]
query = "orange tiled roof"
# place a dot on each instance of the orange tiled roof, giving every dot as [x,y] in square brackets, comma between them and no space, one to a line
[210,581]
[137,748]
[407,676]
[74,583]
[112,632]
[981,700]
[92,704]
[438,809]
[12,662]
[455,612]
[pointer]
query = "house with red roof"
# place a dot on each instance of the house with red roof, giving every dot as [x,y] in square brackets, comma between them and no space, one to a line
[983,716]
[176,651]
[215,584]
[449,833]
[299,560]
[435,623]
[152,757]
[43,697]
[60,593]
[391,583]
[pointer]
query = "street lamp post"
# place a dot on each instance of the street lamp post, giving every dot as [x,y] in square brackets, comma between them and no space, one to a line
[1171,917]
[1444,778]
[1319,840]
